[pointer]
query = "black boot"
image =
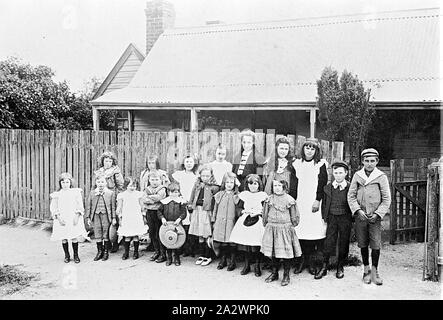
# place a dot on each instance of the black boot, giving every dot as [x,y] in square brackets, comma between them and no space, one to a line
[136,244]
[65,246]
[126,253]
[286,269]
[246,268]
[176,258]
[257,270]
[340,271]
[99,251]
[168,257]
[311,265]
[322,272]
[231,265]
[222,262]
[162,257]
[106,246]
[274,274]
[300,265]
[75,249]
[115,245]
[155,256]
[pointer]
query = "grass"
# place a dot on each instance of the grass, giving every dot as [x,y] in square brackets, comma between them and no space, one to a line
[12,279]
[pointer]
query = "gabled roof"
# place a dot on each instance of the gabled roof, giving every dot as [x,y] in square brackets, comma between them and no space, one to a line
[395,54]
[123,71]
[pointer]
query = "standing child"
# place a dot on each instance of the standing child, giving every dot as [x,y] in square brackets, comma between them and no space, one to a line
[114,181]
[154,192]
[186,177]
[223,219]
[172,209]
[111,171]
[248,161]
[101,211]
[369,197]
[153,164]
[220,166]
[131,215]
[312,176]
[248,230]
[280,216]
[67,211]
[337,214]
[200,206]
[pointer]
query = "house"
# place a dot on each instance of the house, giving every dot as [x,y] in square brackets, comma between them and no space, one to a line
[263,75]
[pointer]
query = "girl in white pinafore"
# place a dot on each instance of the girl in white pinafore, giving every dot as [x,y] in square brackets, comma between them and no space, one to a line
[130,210]
[67,211]
[312,176]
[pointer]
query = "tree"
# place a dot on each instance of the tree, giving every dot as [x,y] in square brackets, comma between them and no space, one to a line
[31,99]
[345,111]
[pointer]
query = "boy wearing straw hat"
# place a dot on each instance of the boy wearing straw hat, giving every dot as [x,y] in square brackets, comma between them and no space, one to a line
[369,198]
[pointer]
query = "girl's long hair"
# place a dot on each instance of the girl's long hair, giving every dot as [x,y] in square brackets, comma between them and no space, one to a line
[63,176]
[317,155]
[253,178]
[226,176]
[289,156]
[195,168]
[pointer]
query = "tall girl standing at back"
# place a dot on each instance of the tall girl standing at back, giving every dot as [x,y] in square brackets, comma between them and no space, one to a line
[248,161]
[67,211]
[186,178]
[312,177]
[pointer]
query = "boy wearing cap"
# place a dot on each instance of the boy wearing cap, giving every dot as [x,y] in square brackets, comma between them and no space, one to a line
[336,212]
[369,198]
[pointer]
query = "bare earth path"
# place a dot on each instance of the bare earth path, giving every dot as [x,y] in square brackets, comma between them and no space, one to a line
[31,250]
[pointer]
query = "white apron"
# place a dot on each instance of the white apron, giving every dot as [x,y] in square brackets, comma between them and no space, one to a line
[311,226]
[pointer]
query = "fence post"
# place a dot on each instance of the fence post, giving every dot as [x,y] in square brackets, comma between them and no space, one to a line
[393,208]
[433,237]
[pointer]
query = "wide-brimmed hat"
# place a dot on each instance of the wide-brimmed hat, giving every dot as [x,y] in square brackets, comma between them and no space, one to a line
[213,246]
[172,236]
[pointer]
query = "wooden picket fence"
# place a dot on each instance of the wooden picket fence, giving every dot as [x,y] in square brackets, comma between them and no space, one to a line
[408,180]
[31,160]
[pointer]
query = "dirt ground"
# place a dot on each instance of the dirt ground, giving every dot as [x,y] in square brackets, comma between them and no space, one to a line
[29,249]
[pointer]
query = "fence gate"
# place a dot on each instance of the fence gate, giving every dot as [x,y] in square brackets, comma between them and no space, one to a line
[408,192]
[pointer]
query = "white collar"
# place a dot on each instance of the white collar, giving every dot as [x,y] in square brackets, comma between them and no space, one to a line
[97,191]
[342,185]
[246,153]
[374,175]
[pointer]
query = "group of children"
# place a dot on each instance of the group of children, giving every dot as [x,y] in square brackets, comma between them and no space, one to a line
[224,208]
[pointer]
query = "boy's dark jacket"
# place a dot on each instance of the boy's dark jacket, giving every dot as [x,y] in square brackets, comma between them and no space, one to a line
[110,203]
[326,202]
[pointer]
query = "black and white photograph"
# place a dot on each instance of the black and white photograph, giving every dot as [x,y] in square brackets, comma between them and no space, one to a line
[221,155]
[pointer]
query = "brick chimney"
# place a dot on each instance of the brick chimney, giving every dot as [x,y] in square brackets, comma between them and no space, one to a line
[160,15]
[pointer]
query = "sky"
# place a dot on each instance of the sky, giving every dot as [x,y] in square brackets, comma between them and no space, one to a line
[83,39]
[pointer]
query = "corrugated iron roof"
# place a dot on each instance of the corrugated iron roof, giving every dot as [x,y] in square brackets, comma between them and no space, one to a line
[395,54]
